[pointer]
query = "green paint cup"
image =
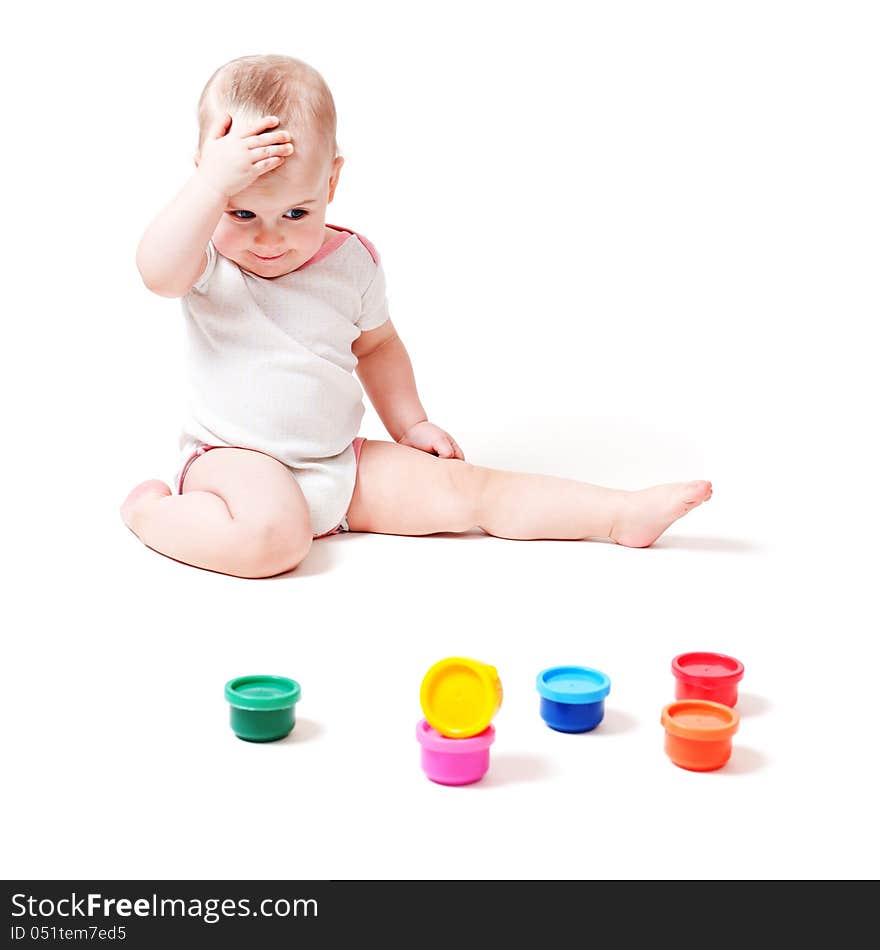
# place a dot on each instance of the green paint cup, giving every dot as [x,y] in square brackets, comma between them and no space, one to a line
[261,708]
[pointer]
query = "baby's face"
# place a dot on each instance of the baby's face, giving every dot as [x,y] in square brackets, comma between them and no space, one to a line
[277,224]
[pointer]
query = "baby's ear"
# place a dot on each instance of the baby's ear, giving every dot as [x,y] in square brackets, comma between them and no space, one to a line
[334,176]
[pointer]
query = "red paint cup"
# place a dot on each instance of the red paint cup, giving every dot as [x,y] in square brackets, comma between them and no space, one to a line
[710,676]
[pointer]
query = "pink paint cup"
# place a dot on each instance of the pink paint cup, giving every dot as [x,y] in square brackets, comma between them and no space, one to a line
[707,676]
[454,761]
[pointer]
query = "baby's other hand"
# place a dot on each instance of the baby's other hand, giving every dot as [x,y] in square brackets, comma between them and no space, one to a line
[235,154]
[426,437]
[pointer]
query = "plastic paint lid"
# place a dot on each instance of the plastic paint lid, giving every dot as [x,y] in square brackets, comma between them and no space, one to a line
[433,741]
[460,696]
[262,692]
[707,669]
[573,684]
[699,719]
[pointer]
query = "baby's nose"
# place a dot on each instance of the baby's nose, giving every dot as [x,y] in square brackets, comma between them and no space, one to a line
[269,237]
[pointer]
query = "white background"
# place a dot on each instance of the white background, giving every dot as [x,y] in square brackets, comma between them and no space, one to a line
[628,243]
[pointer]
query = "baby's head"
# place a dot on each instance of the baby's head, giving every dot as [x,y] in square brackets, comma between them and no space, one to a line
[282,214]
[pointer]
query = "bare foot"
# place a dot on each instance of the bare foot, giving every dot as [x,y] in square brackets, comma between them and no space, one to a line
[646,514]
[146,491]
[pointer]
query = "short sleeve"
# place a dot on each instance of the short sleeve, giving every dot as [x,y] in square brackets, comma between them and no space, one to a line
[374,302]
[205,276]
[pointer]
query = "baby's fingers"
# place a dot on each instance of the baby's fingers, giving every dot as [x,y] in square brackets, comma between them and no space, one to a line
[260,125]
[266,152]
[269,137]
[221,126]
[443,448]
[267,164]
[447,448]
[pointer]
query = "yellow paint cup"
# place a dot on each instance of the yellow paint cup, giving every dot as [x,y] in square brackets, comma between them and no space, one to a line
[460,696]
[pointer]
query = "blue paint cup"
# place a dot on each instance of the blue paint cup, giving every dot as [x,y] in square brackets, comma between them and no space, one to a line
[572,697]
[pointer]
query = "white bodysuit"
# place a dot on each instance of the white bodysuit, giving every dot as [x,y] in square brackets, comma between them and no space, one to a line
[270,365]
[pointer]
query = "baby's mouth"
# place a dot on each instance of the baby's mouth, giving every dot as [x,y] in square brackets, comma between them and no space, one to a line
[273,257]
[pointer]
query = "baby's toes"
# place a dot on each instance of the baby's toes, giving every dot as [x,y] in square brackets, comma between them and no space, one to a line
[152,488]
[696,492]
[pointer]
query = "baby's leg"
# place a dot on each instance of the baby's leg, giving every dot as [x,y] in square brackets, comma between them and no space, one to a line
[241,513]
[400,490]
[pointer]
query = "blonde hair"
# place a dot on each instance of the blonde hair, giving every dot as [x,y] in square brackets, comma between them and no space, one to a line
[271,85]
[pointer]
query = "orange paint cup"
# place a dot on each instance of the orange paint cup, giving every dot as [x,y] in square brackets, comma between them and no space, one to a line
[699,733]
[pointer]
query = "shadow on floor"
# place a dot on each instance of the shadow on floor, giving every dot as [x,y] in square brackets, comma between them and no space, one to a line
[744,760]
[750,704]
[513,769]
[683,542]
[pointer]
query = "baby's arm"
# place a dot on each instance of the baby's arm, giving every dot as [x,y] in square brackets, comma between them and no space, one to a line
[386,373]
[172,252]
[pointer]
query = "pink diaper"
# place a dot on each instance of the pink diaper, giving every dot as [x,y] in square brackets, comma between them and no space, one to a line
[357,445]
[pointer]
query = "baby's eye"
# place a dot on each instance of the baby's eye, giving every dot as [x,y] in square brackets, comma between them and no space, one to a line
[242,215]
[295,214]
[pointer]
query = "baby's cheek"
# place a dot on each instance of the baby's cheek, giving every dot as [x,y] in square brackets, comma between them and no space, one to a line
[315,237]
[311,237]
[227,242]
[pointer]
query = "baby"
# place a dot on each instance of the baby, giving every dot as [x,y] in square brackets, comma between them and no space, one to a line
[281,311]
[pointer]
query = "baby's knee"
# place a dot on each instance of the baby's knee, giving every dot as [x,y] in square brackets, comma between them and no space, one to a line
[274,546]
[468,483]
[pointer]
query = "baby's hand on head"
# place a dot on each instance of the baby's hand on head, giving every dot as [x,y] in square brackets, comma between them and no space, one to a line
[426,437]
[232,159]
